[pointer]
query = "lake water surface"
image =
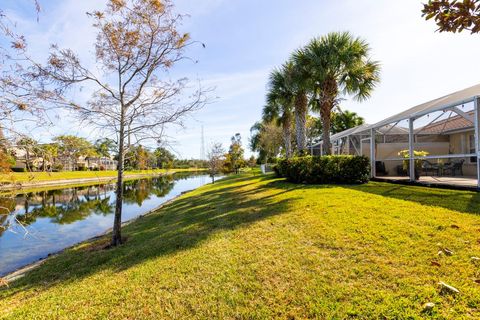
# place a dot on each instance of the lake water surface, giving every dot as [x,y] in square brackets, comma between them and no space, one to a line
[56,219]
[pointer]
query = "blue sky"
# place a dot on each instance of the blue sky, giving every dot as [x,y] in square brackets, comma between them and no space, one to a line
[246,39]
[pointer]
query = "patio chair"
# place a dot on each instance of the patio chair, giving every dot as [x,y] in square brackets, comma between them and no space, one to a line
[380,168]
[400,171]
[428,166]
[454,167]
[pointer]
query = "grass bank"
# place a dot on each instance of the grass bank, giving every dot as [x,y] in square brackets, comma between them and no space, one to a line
[21,177]
[258,247]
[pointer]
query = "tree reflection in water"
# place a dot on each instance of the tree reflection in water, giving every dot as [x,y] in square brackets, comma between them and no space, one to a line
[66,206]
[137,191]
[7,207]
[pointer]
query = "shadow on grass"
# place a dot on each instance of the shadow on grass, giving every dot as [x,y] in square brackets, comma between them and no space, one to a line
[182,224]
[456,200]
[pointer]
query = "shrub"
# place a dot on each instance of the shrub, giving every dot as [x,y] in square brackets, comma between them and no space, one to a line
[326,169]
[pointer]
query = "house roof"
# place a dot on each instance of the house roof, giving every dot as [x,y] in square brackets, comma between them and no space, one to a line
[453,123]
[392,130]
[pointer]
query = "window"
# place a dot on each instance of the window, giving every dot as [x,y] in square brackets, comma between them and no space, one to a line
[471,145]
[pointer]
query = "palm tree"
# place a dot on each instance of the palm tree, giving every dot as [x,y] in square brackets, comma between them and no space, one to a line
[344,120]
[279,106]
[337,65]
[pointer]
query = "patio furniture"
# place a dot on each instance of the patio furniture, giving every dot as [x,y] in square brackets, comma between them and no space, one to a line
[380,168]
[454,167]
[400,171]
[428,166]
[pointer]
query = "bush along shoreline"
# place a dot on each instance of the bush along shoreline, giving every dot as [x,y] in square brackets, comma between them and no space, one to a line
[341,169]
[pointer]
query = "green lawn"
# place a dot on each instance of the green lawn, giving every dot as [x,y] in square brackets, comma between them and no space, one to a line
[49,176]
[253,247]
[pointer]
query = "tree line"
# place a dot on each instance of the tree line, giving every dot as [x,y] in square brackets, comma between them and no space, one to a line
[64,152]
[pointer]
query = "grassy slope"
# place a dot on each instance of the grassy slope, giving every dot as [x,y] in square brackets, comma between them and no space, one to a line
[253,247]
[49,176]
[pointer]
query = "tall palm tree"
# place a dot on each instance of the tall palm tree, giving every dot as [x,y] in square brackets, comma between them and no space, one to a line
[279,106]
[298,83]
[338,65]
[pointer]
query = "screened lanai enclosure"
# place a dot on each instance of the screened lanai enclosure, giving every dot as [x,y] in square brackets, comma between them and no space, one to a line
[436,142]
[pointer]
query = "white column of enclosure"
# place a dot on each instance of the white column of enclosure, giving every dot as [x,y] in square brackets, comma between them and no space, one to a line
[372,153]
[411,141]
[477,138]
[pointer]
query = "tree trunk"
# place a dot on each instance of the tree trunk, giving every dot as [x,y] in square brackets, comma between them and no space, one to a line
[301,104]
[329,93]
[27,164]
[327,146]
[287,137]
[117,221]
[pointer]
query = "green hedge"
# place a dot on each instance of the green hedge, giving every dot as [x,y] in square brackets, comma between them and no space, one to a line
[325,169]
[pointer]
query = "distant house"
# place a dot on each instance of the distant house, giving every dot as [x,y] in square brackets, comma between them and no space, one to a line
[26,161]
[98,163]
[32,162]
[89,163]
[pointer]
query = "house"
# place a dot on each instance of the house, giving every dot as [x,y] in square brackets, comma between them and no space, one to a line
[98,163]
[26,161]
[442,134]
[90,163]
[32,162]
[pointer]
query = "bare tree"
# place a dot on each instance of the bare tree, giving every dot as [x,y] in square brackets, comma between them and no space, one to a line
[21,97]
[137,43]
[215,159]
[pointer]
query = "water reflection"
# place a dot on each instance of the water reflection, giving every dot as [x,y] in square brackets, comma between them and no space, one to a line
[56,219]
